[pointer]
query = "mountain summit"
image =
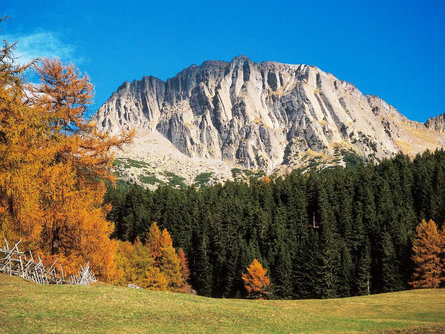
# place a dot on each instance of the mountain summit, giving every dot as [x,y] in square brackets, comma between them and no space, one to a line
[266,116]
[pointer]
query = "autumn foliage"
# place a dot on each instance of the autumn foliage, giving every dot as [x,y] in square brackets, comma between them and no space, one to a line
[132,260]
[154,266]
[53,164]
[266,179]
[256,281]
[184,264]
[427,249]
[53,168]
[442,254]
[153,242]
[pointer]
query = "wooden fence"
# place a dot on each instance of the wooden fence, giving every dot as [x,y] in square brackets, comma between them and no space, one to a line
[17,263]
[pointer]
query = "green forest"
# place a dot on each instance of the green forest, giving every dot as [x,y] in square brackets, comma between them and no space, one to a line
[329,233]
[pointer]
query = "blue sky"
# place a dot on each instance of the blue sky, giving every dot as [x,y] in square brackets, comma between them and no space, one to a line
[393,49]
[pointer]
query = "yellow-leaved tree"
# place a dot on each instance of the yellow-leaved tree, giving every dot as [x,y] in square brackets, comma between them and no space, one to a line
[184,264]
[256,281]
[442,254]
[133,261]
[153,242]
[170,263]
[426,257]
[53,165]
[165,273]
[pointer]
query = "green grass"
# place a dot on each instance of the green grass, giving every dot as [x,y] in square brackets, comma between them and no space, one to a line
[27,307]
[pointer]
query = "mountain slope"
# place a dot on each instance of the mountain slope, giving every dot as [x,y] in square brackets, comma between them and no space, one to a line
[267,116]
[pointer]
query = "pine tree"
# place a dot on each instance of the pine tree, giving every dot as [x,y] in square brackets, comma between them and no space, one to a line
[282,284]
[329,256]
[426,257]
[345,274]
[232,265]
[202,269]
[304,276]
[362,277]
[389,270]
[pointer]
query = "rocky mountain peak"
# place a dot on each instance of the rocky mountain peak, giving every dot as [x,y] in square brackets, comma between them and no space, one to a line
[268,116]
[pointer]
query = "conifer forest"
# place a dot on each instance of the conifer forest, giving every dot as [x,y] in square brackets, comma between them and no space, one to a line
[321,234]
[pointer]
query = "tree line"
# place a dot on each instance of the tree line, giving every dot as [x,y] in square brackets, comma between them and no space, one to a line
[332,233]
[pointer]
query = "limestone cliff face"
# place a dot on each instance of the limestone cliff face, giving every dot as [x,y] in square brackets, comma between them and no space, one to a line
[264,115]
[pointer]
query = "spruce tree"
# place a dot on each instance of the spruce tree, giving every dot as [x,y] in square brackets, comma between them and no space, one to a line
[201,268]
[390,277]
[328,257]
[362,278]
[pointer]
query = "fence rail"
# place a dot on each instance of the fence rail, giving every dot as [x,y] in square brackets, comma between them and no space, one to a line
[17,263]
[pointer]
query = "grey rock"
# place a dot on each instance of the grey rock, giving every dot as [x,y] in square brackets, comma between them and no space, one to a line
[264,115]
[436,123]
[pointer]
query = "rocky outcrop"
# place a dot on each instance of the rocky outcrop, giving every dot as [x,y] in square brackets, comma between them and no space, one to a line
[263,115]
[436,123]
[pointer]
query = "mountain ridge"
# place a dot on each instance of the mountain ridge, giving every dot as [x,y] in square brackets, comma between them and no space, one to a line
[268,116]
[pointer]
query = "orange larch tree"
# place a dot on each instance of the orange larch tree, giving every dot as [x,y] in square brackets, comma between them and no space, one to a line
[442,254]
[22,130]
[125,272]
[266,179]
[171,267]
[426,257]
[187,288]
[133,261]
[166,240]
[165,274]
[170,264]
[53,164]
[74,228]
[153,242]
[155,279]
[184,264]
[256,281]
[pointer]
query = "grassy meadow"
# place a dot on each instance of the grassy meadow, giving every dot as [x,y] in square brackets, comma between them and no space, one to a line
[27,307]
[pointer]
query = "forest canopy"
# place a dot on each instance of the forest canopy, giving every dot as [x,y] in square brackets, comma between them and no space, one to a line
[332,233]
